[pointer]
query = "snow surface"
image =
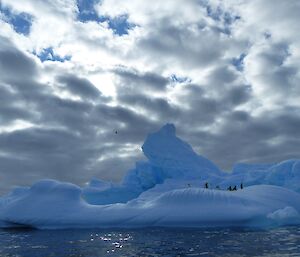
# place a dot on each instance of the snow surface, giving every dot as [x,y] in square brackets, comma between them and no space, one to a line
[166,190]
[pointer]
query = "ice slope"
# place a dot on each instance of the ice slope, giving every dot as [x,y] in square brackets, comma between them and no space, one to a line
[99,192]
[136,181]
[53,205]
[286,174]
[248,174]
[240,168]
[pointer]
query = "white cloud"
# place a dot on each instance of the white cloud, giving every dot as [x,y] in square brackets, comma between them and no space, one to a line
[144,13]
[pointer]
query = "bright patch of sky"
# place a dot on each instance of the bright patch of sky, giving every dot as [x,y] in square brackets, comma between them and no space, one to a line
[238,62]
[49,55]
[178,79]
[20,22]
[87,12]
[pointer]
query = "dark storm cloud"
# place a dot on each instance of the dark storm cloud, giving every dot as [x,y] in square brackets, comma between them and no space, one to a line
[240,116]
[58,112]
[222,75]
[40,153]
[133,81]
[276,54]
[204,109]
[69,153]
[71,135]
[195,109]
[74,145]
[238,95]
[14,64]
[135,90]
[18,72]
[132,125]
[273,71]
[17,75]
[9,110]
[79,86]
[10,113]
[182,44]
[156,106]
[195,104]
[271,137]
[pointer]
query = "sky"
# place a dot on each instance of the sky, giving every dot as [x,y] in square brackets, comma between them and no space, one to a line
[225,72]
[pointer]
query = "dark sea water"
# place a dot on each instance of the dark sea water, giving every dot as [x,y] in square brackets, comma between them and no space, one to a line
[151,242]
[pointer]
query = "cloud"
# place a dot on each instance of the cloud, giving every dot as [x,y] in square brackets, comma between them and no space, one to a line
[133,81]
[79,86]
[264,139]
[272,73]
[14,61]
[225,72]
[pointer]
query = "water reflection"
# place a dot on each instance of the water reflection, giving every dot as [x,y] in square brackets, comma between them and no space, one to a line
[151,242]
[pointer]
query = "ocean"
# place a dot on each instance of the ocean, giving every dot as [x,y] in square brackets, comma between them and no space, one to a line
[284,241]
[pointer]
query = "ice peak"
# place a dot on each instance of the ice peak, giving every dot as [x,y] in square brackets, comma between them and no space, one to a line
[168,129]
[168,152]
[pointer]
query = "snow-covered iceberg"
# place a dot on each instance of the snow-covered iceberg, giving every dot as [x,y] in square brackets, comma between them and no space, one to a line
[166,190]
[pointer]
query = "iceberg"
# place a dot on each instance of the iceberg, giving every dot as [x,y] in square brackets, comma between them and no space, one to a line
[166,190]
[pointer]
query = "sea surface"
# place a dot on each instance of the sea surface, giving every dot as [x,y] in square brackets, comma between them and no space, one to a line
[281,242]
